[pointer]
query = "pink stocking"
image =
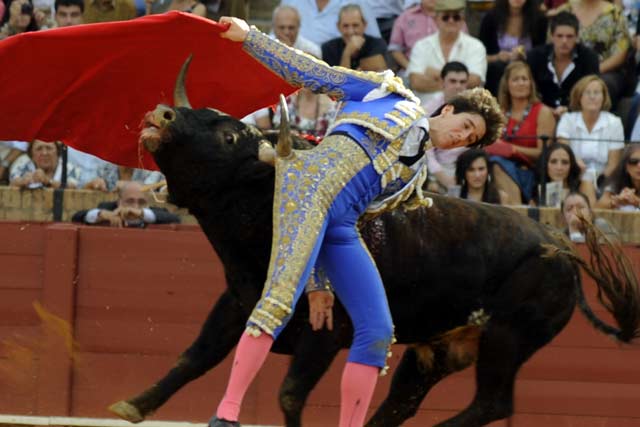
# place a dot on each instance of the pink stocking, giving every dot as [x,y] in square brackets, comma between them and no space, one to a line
[250,355]
[358,383]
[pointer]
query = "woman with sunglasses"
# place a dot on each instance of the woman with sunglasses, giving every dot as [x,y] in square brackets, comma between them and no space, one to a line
[509,30]
[623,187]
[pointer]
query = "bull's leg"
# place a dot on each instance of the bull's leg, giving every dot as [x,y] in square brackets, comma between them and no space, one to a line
[219,334]
[313,354]
[543,299]
[498,362]
[420,369]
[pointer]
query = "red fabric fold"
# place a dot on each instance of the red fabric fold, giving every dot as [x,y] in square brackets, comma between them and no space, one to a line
[90,85]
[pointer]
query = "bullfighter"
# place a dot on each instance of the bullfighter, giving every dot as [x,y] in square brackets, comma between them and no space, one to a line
[372,159]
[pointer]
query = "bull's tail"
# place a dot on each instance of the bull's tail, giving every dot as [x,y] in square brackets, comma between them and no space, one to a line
[617,284]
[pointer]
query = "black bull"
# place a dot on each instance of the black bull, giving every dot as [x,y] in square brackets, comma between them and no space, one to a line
[439,265]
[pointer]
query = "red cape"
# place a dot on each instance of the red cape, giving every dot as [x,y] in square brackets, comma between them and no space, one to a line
[90,85]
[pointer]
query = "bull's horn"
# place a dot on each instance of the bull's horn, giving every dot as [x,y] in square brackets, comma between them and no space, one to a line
[179,93]
[283,149]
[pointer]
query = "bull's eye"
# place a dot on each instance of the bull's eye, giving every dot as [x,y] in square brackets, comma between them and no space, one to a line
[230,138]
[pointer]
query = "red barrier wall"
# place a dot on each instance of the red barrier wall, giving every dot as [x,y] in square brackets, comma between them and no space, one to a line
[120,305]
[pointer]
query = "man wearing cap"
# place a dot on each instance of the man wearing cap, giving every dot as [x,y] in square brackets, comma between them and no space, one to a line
[448,44]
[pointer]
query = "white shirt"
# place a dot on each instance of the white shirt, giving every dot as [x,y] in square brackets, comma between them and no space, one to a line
[320,27]
[427,53]
[308,46]
[87,163]
[592,147]
[385,8]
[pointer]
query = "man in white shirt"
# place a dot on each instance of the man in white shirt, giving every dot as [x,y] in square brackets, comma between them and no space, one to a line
[319,18]
[429,55]
[286,28]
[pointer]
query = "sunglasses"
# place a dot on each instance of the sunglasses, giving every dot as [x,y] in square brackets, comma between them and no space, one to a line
[633,162]
[455,16]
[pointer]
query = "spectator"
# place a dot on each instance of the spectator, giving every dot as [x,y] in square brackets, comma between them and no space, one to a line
[9,152]
[413,24]
[42,167]
[575,206]
[310,114]
[623,187]
[286,28]
[189,6]
[319,18]
[43,12]
[441,164]
[69,12]
[474,178]
[603,28]
[595,135]
[449,44]
[561,167]
[507,31]
[557,66]
[108,10]
[18,18]
[111,177]
[385,12]
[354,49]
[514,156]
[130,210]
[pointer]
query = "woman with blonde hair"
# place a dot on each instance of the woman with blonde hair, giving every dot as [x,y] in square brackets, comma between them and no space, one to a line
[596,136]
[514,156]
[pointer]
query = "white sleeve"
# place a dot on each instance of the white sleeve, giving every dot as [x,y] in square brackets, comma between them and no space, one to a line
[477,59]
[92,216]
[562,131]
[616,133]
[418,61]
[148,216]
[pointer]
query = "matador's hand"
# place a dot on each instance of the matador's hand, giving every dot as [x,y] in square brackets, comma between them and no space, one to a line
[321,309]
[238,29]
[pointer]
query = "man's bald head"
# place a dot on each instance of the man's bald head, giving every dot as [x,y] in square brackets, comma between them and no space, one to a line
[132,195]
[286,24]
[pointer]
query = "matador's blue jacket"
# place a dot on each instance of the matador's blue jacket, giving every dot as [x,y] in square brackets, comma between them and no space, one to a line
[377,110]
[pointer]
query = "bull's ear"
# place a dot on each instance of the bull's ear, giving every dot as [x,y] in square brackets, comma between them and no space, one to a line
[266,153]
[284,139]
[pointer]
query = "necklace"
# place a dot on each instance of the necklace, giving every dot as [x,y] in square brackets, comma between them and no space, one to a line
[516,127]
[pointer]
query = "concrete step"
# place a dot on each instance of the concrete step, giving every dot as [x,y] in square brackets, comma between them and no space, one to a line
[22,420]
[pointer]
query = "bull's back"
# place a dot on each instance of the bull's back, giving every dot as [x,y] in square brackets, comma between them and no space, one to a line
[439,264]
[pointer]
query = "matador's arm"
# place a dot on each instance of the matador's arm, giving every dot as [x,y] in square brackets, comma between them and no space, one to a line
[303,70]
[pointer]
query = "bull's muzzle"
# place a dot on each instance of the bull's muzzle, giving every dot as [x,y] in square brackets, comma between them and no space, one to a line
[162,116]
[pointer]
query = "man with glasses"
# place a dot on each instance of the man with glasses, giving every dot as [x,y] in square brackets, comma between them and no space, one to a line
[448,44]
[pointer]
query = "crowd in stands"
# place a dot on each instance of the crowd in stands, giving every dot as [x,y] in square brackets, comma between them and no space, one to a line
[563,71]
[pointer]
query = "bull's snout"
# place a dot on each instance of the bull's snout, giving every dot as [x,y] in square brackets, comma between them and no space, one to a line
[163,115]
[154,123]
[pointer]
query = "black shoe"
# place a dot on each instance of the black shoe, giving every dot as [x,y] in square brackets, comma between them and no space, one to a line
[217,422]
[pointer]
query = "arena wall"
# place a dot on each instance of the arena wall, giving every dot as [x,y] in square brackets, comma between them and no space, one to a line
[92,315]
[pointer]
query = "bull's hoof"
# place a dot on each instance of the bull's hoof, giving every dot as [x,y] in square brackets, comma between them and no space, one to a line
[217,422]
[126,411]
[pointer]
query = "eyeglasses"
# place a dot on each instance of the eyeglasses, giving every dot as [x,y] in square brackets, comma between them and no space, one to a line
[633,162]
[455,16]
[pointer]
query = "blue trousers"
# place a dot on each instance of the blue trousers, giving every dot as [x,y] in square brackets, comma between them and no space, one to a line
[319,196]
